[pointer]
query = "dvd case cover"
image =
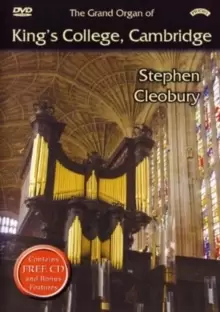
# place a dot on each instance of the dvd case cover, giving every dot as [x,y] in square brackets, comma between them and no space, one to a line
[109,158]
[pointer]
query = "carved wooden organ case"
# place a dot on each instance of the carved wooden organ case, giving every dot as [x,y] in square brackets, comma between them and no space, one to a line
[95,206]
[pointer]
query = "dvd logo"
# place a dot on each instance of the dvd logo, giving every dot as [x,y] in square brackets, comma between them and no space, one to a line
[22,12]
[200,11]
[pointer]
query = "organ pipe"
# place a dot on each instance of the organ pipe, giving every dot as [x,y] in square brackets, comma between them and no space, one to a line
[105,249]
[142,185]
[96,249]
[86,246]
[79,246]
[113,190]
[92,186]
[117,249]
[39,165]
[67,183]
[42,167]
[154,249]
[101,279]
[164,307]
[74,242]
[104,284]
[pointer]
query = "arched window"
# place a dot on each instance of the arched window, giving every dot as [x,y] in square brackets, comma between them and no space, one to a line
[208,145]
[8,225]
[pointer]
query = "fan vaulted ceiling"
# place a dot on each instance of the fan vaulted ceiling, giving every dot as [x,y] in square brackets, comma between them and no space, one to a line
[92,93]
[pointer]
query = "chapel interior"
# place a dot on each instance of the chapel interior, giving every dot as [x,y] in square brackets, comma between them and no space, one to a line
[130,191]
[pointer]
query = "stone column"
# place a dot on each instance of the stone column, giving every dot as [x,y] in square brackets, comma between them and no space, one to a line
[184,211]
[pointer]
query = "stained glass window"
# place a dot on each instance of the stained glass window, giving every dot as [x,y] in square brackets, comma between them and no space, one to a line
[199,140]
[165,165]
[216,95]
[159,182]
[205,229]
[207,119]
[159,163]
[208,126]
[8,225]
[159,171]
[152,179]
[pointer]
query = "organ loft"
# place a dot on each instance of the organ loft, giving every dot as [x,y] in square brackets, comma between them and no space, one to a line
[138,222]
[96,206]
